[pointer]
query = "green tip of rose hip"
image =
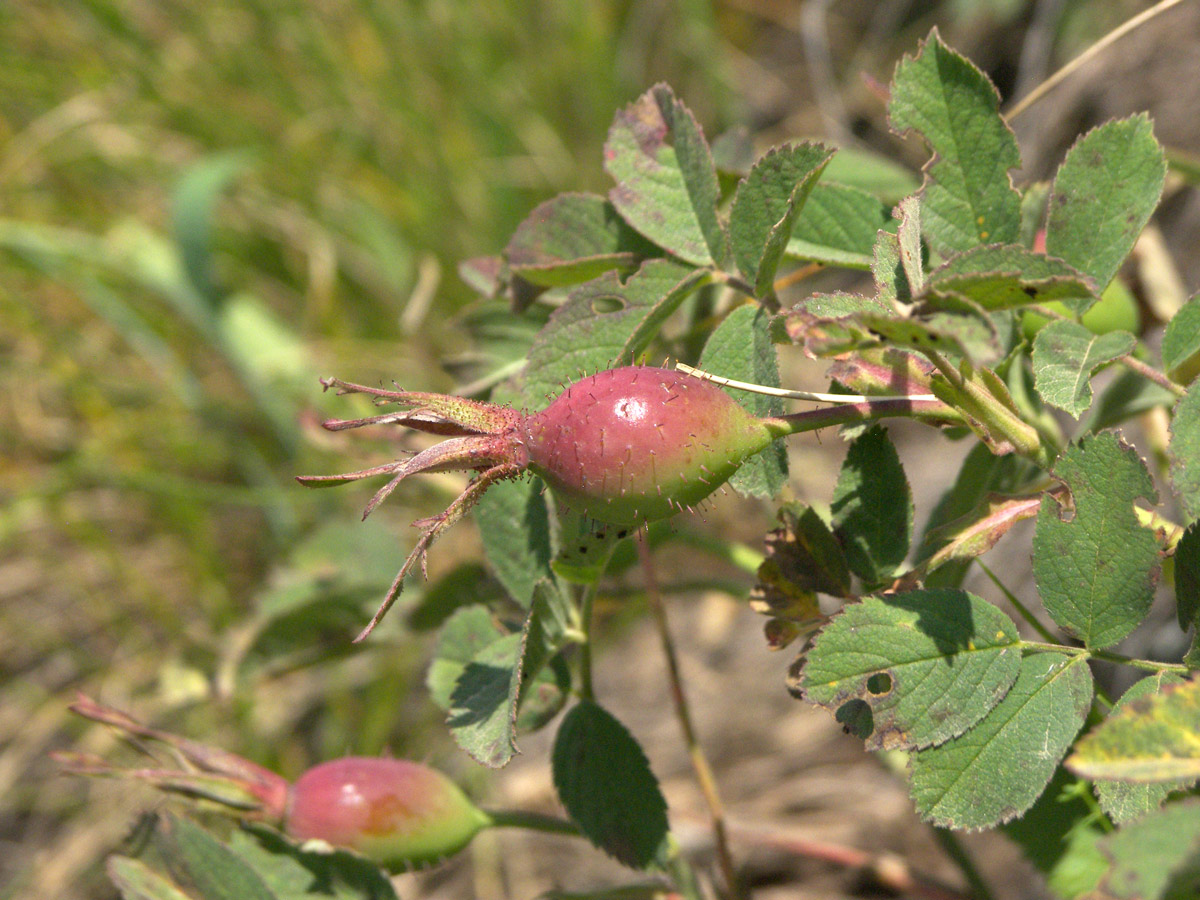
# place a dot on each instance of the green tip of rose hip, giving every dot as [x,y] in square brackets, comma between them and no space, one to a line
[401,814]
[625,446]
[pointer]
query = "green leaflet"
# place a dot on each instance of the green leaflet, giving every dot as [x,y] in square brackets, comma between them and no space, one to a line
[996,770]
[1095,569]
[967,198]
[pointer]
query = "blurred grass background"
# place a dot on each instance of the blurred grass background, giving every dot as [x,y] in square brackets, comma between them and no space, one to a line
[204,207]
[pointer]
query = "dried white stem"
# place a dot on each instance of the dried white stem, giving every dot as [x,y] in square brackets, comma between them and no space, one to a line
[794,395]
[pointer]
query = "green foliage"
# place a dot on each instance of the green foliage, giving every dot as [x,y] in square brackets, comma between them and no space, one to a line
[604,780]
[740,348]
[1184,451]
[1095,569]
[666,182]
[1066,355]
[872,507]
[1181,343]
[967,198]
[677,260]
[765,208]
[1118,166]
[1150,738]
[995,771]
[928,664]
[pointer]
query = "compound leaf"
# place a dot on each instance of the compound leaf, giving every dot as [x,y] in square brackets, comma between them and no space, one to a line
[1151,738]
[928,664]
[1181,343]
[1005,276]
[514,525]
[1157,858]
[838,226]
[1095,569]
[995,771]
[1125,801]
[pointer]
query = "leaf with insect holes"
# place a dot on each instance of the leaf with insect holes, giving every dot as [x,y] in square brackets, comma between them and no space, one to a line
[666,184]
[1181,343]
[1103,195]
[1126,800]
[604,781]
[838,226]
[872,507]
[996,770]
[1150,739]
[1006,277]
[740,348]
[214,870]
[1095,566]
[765,208]
[967,198]
[293,873]
[1066,355]
[604,323]
[574,238]
[1184,452]
[1156,858]
[926,665]
[514,524]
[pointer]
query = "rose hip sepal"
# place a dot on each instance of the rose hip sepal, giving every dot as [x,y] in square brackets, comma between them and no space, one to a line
[625,446]
[398,813]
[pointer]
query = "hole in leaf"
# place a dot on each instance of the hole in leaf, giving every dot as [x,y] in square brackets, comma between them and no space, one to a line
[879,683]
[609,304]
[856,718]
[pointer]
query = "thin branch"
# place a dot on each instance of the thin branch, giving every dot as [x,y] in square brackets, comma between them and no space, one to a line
[1134,364]
[704,773]
[1087,56]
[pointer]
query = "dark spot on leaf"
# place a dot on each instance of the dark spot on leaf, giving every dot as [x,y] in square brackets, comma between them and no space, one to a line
[1029,291]
[583,548]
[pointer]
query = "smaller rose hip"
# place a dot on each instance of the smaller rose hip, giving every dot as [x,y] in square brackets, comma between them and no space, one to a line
[398,813]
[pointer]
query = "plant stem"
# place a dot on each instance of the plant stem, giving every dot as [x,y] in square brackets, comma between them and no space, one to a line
[700,765]
[1148,665]
[1134,364]
[586,604]
[1020,607]
[795,423]
[531,821]
[980,890]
